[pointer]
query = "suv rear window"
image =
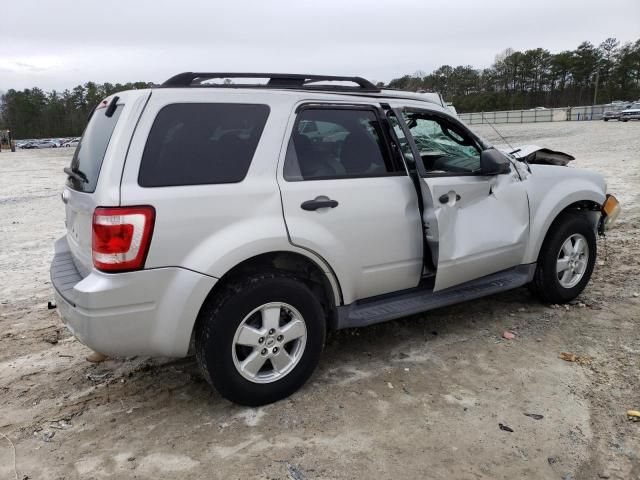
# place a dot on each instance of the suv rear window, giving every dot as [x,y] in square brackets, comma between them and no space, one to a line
[89,154]
[201,143]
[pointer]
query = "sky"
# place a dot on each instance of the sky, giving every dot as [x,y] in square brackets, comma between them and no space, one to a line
[58,44]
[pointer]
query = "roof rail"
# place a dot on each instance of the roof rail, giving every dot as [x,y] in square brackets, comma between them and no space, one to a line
[276,80]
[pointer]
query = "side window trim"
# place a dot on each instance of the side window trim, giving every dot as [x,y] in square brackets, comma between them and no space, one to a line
[414,148]
[399,170]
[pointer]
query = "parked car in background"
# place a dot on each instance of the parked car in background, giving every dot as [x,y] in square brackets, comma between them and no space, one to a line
[630,113]
[71,143]
[248,221]
[612,112]
[41,143]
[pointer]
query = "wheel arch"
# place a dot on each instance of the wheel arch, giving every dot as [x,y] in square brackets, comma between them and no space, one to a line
[320,281]
[587,203]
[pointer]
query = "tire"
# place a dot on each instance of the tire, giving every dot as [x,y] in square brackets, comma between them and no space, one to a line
[624,120]
[606,119]
[551,286]
[245,306]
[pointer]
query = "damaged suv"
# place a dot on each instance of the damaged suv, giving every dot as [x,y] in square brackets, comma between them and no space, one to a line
[243,221]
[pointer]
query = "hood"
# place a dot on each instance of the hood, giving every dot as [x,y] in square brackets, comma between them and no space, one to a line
[538,155]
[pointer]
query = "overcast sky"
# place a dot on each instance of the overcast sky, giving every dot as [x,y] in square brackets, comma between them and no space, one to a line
[62,43]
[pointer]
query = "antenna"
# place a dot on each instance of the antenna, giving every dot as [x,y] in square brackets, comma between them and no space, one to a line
[499,134]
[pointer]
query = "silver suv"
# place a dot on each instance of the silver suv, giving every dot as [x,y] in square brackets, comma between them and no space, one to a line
[243,221]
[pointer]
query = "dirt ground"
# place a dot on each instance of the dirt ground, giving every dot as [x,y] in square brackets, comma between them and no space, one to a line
[421,397]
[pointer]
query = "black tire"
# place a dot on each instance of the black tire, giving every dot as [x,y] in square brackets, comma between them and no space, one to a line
[624,120]
[223,313]
[545,284]
[606,119]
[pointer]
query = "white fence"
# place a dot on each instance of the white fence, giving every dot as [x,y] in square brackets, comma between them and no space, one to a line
[541,115]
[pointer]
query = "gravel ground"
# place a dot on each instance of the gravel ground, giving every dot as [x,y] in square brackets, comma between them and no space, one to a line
[421,397]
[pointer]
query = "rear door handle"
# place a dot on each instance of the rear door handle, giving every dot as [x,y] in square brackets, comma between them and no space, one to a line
[445,198]
[317,203]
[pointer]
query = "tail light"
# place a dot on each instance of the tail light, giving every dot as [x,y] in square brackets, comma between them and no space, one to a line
[121,237]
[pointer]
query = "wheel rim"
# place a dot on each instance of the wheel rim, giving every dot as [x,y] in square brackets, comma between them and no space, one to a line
[572,261]
[269,342]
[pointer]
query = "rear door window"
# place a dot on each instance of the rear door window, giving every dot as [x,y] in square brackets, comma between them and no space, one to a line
[329,143]
[201,143]
[89,154]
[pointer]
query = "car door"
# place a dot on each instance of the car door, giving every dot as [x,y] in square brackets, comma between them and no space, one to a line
[349,200]
[477,224]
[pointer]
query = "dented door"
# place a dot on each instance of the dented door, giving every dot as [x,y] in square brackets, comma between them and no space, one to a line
[481,224]
[475,224]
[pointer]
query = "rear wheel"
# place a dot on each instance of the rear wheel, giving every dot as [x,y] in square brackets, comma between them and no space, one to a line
[260,339]
[566,259]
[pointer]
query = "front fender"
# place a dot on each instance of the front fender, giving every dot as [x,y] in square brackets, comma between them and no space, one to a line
[551,190]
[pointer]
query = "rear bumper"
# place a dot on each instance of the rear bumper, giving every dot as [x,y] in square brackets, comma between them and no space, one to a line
[147,312]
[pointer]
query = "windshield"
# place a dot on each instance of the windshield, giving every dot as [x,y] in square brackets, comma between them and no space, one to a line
[87,159]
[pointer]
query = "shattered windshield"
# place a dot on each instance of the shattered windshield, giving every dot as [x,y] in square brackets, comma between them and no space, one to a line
[443,146]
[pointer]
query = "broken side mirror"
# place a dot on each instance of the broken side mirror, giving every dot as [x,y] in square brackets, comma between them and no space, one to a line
[494,162]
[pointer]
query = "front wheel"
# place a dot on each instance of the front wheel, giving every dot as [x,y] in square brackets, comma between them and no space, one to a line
[260,339]
[566,259]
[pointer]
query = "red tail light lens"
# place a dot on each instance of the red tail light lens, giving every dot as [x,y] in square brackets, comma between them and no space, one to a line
[121,237]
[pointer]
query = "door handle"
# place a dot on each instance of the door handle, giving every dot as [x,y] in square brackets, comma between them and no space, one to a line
[317,203]
[445,198]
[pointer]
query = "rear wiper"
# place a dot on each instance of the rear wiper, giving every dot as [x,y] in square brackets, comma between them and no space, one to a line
[76,174]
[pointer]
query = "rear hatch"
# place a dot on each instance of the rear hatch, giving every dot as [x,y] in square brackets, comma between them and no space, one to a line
[80,195]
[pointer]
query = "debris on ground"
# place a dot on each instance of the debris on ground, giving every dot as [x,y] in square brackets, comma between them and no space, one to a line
[505,428]
[52,338]
[508,335]
[535,416]
[572,357]
[60,425]
[48,436]
[633,415]
[97,377]
[96,357]
[294,472]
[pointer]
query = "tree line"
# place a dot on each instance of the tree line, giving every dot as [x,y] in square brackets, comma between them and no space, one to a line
[537,78]
[34,113]
[516,80]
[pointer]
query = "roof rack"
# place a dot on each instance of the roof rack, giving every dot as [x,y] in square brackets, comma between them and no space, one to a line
[276,80]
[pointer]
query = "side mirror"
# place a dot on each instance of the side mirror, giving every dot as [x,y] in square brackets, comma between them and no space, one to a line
[494,162]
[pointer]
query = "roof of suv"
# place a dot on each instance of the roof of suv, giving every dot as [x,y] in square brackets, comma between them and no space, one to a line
[288,82]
